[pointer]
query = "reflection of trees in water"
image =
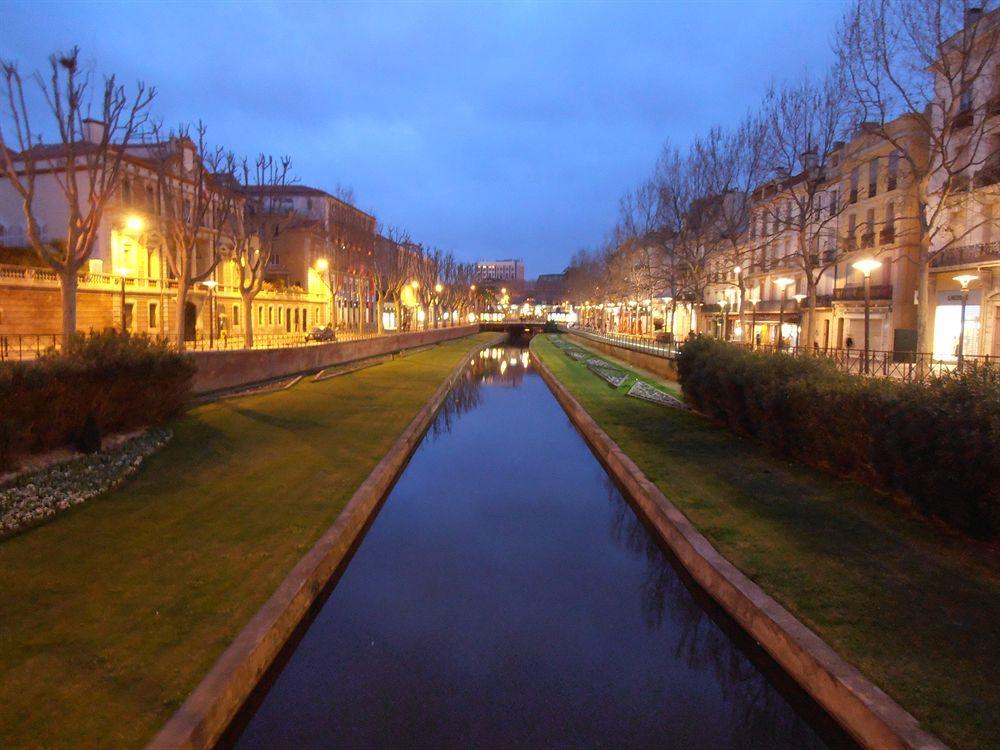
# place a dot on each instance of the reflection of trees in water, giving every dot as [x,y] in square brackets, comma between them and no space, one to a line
[760,717]
[463,397]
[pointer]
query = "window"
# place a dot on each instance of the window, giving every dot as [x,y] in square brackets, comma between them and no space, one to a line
[872,177]
[152,315]
[151,199]
[280,313]
[852,226]
[270,315]
[855,177]
[126,192]
[296,318]
[260,315]
[833,203]
[868,238]
[236,316]
[893,172]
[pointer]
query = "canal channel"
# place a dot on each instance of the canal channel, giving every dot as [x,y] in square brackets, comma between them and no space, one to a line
[507,595]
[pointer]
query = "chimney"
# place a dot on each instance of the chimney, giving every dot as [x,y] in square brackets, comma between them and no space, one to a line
[93,131]
[972,15]
[809,160]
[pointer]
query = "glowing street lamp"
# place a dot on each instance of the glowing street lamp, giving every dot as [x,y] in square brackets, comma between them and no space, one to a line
[782,283]
[963,279]
[866,266]
[133,223]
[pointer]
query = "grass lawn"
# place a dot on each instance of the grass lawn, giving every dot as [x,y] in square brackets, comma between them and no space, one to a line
[916,609]
[111,613]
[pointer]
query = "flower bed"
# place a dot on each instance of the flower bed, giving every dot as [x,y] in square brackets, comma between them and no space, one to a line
[36,496]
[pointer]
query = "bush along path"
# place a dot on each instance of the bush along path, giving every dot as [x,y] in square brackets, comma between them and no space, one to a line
[910,604]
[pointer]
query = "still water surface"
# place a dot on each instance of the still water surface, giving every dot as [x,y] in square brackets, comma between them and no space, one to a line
[508,596]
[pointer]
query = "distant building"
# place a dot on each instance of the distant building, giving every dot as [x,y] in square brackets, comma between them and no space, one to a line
[509,272]
[550,288]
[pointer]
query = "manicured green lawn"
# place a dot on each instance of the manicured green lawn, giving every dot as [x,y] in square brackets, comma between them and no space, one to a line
[916,609]
[111,613]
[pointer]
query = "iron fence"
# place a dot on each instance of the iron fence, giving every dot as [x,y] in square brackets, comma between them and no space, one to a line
[905,366]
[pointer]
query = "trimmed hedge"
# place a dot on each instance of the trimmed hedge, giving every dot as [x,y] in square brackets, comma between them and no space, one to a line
[936,444]
[116,382]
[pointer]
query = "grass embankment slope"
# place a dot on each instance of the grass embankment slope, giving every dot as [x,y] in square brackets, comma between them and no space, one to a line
[916,609]
[111,613]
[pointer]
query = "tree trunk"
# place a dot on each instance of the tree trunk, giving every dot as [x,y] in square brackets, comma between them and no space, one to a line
[179,314]
[923,309]
[67,288]
[247,319]
[812,327]
[361,309]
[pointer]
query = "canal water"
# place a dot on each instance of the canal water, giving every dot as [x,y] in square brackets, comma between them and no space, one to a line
[506,596]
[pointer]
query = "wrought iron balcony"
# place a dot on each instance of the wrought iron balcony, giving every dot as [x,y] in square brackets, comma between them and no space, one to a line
[857,293]
[982,252]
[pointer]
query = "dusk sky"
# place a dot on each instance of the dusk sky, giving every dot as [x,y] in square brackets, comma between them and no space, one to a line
[493,130]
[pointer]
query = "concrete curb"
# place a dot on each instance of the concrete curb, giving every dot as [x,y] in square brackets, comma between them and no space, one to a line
[867,713]
[213,704]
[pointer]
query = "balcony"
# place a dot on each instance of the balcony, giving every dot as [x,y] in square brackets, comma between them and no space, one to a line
[982,252]
[868,240]
[857,293]
[886,236]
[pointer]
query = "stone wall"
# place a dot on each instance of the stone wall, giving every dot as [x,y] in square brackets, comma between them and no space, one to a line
[662,366]
[219,370]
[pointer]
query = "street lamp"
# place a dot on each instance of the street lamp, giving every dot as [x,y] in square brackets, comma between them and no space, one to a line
[723,304]
[964,279]
[866,267]
[133,223]
[210,285]
[122,274]
[782,283]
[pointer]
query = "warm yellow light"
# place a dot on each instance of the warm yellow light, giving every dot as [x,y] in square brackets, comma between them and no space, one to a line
[472,287]
[737,270]
[415,284]
[421,316]
[965,279]
[783,282]
[867,265]
[211,283]
[503,290]
[133,223]
[472,317]
[798,298]
[322,264]
[123,271]
[438,288]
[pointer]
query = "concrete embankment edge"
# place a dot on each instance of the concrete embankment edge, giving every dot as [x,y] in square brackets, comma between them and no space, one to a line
[209,709]
[866,712]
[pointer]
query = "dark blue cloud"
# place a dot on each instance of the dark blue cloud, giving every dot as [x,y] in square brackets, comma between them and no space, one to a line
[490,129]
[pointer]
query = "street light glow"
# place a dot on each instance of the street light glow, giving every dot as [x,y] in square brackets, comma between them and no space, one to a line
[133,223]
[965,279]
[867,265]
[783,282]
[438,288]
[322,264]
[210,283]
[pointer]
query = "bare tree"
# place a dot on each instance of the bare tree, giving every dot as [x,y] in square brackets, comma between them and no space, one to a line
[389,270]
[257,226]
[801,205]
[734,164]
[196,204]
[86,163]
[931,61]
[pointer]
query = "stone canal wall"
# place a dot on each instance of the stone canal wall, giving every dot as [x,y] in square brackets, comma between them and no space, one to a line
[866,712]
[208,711]
[665,367]
[221,370]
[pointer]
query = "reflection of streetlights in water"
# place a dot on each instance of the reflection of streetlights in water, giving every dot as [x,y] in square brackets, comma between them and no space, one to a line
[963,279]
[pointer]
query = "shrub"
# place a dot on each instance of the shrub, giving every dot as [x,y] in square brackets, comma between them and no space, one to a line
[934,444]
[98,384]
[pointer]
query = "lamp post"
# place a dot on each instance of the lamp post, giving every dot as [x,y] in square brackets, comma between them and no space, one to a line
[723,305]
[438,288]
[783,283]
[210,285]
[122,274]
[866,267]
[753,321]
[964,279]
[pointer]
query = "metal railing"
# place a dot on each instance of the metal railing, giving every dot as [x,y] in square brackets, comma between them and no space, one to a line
[626,341]
[17,347]
[905,366]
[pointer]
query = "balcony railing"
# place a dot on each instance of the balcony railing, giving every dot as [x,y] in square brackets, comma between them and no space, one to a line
[982,252]
[857,293]
[886,236]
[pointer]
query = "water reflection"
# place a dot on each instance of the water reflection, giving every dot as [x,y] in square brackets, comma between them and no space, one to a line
[487,607]
[759,714]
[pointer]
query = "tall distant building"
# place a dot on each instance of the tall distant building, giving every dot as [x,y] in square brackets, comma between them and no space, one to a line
[510,272]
